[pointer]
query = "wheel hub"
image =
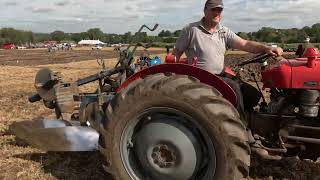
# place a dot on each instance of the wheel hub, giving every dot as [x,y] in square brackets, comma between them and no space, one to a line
[163,156]
[168,150]
[164,143]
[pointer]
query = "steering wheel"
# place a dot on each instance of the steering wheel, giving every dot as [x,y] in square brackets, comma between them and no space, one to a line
[261,58]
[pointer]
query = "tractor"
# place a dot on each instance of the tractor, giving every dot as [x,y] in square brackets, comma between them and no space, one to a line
[175,121]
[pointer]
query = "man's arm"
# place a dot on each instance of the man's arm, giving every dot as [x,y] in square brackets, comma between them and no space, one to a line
[182,42]
[177,53]
[255,47]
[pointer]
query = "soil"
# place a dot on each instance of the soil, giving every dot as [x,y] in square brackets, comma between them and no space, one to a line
[232,60]
[43,57]
[20,161]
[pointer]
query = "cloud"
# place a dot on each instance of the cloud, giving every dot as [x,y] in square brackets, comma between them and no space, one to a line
[62,3]
[10,3]
[42,10]
[119,16]
[251,15]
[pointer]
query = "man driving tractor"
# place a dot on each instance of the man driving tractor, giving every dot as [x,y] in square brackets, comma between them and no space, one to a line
[208,40]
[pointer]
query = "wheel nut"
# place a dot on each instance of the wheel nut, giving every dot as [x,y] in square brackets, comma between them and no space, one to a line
[164,147]
[174,157]
[153,155]
[156,149]
[169,164]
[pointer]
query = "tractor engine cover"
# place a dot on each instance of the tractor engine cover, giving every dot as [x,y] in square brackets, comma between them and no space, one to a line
[293,73]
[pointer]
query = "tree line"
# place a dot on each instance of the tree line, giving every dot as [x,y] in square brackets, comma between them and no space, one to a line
[287,36]
[265,34]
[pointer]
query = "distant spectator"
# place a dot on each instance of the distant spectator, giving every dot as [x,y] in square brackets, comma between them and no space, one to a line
[300,51]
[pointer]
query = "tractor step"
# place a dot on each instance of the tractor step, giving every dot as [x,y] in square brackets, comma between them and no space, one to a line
[56,135]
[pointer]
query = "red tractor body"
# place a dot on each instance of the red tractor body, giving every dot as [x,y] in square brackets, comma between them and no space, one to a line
[293,74]
[300,73]
[184,69]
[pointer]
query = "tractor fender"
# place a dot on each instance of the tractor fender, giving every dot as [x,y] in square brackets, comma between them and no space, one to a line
[184,69]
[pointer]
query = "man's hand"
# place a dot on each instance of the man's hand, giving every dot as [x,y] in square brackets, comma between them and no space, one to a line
[177,53]
[274,51]
[255,47]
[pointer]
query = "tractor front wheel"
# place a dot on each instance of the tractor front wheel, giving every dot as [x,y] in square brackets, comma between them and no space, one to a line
[173,127]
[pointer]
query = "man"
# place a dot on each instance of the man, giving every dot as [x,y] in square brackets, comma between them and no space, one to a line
[208,40]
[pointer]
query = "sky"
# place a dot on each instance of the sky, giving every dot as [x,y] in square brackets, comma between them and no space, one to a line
[120,16]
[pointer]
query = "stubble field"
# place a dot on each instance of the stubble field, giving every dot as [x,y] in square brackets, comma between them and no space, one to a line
[20,161]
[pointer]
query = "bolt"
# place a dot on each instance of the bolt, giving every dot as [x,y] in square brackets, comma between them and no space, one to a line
[169,164]
[153,155]
[130,144]
[156,161]
[164,147]
[156,149]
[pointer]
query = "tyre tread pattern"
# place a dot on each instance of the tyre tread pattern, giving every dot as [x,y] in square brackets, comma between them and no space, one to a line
[203,96]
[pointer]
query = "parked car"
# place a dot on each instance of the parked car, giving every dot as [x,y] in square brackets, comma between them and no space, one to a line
[21,47]
[96,47]
[9,46]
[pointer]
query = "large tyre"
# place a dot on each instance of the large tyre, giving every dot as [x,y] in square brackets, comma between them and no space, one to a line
[173,127]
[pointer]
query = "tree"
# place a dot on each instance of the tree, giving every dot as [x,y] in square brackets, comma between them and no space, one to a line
[265,34]
[76,37]
[243,35]
[58,36]
[164,33]
[315,29]
[170,40]
[177,33]
[2,41]
[40,37]
[30,37]
[113,38]
[95,33]
[140,37]
[127,37]
[10,35]
[307,30]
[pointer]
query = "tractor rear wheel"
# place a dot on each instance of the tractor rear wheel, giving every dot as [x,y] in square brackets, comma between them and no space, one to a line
[173,127]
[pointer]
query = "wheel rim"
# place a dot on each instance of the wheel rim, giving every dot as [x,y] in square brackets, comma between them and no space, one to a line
[165,143]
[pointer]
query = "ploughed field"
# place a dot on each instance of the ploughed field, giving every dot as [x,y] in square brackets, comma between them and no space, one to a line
[42,56]
[20,161]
